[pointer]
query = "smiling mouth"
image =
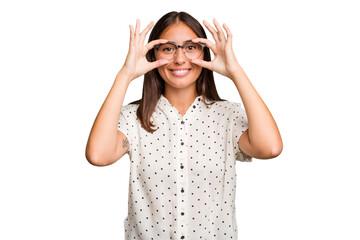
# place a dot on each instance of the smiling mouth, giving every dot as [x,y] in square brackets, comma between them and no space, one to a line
[181,72]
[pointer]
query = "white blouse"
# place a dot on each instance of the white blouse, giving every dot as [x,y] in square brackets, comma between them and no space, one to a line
[182,177]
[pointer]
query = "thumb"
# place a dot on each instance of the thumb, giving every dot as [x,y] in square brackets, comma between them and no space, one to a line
[202,63]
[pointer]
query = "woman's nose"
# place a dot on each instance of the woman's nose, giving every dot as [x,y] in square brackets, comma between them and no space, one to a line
[180,57]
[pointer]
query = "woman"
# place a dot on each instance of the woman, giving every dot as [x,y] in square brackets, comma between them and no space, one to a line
[182,173]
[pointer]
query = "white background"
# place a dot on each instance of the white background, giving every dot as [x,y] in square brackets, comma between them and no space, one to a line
[58,60]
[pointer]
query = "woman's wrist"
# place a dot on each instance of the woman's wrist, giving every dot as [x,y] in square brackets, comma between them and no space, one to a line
[124,75]
[236,72]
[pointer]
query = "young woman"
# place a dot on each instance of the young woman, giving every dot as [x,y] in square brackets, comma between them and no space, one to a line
[183,140]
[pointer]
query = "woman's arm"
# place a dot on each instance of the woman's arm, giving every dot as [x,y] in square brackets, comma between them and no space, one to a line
[106,144]
[262,138]
[103,139]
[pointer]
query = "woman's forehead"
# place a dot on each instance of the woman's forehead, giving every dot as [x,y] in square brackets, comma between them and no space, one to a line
[178,33]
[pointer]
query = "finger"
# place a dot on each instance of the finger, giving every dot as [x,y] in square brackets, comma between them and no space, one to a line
[207,42]
[137,27]
[151,44]
[158,63]
[212,31]
[146,30]
[221,34]
[228,33]
[131,32]
[202,63]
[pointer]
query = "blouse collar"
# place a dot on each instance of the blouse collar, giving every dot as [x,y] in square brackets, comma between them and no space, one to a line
[197,106]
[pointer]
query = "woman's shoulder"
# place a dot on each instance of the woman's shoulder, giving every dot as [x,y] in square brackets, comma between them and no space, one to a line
[129,108]
[227,105]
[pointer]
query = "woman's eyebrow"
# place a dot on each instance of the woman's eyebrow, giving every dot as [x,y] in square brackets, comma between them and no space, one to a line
[190,40]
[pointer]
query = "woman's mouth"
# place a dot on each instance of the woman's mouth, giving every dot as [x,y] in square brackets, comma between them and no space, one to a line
[180,72]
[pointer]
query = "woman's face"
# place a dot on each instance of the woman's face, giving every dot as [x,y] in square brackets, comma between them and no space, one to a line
[180,72]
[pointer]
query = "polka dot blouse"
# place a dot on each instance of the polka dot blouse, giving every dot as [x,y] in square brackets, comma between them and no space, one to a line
[182,177]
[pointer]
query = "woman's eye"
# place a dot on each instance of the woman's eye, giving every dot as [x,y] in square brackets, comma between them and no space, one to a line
[168,49]
[191,48]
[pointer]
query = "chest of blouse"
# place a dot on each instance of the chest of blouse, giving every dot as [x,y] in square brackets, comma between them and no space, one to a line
[200,142]
[182,176]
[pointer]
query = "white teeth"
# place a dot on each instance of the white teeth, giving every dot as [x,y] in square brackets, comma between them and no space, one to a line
[180,71]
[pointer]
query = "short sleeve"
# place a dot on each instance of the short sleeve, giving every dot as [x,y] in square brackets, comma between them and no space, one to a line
[126,123]
[239,124]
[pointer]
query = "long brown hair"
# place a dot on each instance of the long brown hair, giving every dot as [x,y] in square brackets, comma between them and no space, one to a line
[154,84]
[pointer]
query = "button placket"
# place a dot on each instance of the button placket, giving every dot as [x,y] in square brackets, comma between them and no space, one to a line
[182,180]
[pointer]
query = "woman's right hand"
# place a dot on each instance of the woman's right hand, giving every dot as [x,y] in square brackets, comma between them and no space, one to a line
[136,63]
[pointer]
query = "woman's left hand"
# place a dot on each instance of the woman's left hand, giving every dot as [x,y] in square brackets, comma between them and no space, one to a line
[224,61]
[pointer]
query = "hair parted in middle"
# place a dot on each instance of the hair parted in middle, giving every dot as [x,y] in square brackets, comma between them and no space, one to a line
[153,85]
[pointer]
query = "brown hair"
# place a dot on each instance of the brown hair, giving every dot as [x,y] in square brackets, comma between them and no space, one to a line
[154,84]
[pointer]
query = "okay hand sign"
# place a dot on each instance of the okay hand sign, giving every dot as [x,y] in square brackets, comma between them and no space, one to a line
[224,61]
[136,63]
